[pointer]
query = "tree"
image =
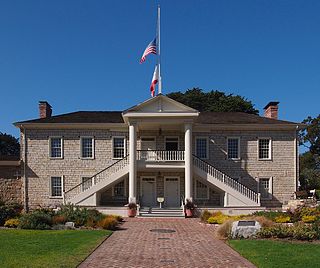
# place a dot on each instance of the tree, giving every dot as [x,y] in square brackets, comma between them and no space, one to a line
[309,161]
[213,101]
[9,145]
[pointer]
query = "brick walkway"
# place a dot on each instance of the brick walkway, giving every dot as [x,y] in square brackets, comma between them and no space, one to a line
[192,245]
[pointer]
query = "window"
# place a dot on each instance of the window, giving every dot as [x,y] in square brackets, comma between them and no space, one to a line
[119,189]
[265,188]
[202,147]
[55,147]
[202,190]
[118,147]
[86,183]
[264,148]
[233,148]
[87,147]
[172,143]
[56,187]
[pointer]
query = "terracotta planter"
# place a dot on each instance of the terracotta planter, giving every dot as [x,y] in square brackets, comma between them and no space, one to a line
[132,212]
[189,213]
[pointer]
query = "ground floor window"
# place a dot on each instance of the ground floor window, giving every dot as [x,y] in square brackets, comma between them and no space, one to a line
[56,187]
[119,189]
[202,190]
[265,188]
[86,183]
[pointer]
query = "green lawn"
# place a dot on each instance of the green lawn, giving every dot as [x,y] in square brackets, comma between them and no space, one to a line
[30,248]
[268,253]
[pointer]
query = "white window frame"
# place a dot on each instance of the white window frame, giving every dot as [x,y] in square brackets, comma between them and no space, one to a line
[270,148]
[93,147]
[61,139]
[165,141]
[124,146]
[207,145]
[125,187]
[270,191]
[62,187]
[239,153]
[81,181]
[195,192]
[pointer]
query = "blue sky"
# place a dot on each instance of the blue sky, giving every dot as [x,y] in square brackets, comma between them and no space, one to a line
[84,55]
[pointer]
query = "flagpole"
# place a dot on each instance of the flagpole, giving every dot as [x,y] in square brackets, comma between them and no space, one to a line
[158,46]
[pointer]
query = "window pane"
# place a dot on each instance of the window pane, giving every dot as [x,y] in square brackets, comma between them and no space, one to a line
[264,149]
[56,186]
[87,147]
[118,147]
[264,186]
[56,147]
[202,190]
[201,148]
[86,183]
[118,189]
[233,148]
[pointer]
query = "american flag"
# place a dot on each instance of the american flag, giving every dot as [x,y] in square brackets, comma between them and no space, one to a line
[151,49]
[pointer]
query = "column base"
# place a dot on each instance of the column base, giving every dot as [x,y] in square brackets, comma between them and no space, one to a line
[132,200]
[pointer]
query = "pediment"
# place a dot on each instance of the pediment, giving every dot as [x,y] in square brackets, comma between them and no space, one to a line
[160,104]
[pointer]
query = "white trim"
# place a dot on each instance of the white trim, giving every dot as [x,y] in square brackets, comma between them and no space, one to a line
[124,146]
[270,187]
[165,188]
[239,152]
[62,141]
[270,148]
[165,141]
[93,147]
[207,145]
[195,192]
[62,187]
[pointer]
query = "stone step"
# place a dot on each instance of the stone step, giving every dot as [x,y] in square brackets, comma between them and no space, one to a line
[161,212]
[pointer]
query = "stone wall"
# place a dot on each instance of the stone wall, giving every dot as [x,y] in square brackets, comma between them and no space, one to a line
[10,184]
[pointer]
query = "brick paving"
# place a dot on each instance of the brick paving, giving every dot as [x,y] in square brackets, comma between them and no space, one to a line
[192,245]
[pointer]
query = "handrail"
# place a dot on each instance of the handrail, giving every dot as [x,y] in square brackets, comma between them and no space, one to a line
[160,155]
[219,175]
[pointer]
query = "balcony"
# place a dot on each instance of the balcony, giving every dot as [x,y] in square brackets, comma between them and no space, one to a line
[160,156]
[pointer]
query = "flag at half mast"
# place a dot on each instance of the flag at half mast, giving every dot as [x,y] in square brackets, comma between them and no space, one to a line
[155,80]
[151,49]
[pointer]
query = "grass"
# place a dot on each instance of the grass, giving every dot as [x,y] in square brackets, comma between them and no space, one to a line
[30,248]
[270,253]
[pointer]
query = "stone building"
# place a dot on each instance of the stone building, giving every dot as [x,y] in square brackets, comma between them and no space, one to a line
[159,150]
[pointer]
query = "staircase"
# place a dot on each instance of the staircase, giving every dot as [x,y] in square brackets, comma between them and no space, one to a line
[100,180]
[161,212]
[237,193]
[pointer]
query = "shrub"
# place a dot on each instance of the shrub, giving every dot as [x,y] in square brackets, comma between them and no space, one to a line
[224,230]
[9,211]
[59,219]
[282,219]
[75,214]
[219,219]
[205,215]
[269,214]
[264,222]
[108,222]
[118,218]
[37,220]
[309,219]
[12,223]
[318,194]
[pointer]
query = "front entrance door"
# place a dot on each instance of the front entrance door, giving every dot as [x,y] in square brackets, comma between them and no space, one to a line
[148,192]
[172,192]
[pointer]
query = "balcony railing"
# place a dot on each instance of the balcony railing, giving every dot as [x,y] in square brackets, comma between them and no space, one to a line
[160,155]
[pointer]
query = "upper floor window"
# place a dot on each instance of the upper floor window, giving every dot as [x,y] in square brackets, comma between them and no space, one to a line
[202,147]
[119,147]
[172,143]
[55,147]
[87,147]
[202,190]
[265,188]
[233,148]
[264,148]
[56,187]
[86,183]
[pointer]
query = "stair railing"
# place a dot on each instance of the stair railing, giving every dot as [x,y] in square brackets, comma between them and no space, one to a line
[96,178]
[219,175]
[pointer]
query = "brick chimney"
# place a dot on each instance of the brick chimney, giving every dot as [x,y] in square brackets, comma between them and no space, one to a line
[45,109]
[271,110]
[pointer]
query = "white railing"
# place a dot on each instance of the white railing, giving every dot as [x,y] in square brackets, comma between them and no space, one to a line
[217,174]
[160,155]
[95,179]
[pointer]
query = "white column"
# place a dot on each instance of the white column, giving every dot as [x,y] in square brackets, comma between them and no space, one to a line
[132,163]
[188,161]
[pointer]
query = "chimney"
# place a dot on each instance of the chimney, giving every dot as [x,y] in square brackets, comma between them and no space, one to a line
[271,110]
[45,109]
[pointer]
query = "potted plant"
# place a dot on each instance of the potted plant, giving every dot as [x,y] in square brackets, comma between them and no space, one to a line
[132,209]
[189,208]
